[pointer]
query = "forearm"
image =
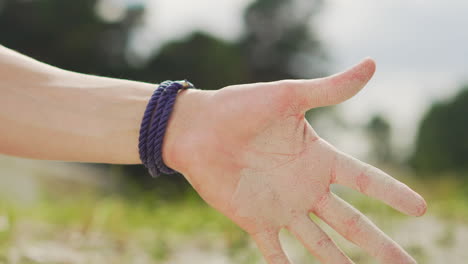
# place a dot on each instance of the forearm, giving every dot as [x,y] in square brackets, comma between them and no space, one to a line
[49,113]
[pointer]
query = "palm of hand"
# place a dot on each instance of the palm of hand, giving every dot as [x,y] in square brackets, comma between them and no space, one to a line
[266,168]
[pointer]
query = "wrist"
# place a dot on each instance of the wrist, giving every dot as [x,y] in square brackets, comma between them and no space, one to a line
[182,124]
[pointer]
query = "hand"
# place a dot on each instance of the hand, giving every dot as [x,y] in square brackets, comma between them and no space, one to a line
[250,153]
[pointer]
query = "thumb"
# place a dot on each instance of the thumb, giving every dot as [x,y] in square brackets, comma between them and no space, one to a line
[335,88]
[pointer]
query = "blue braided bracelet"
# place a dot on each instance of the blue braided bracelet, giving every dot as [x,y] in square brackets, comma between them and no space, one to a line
[154,124]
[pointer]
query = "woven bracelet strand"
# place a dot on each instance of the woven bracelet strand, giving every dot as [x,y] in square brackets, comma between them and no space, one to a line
[154,124]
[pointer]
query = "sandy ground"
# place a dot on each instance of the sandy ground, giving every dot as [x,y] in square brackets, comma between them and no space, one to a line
[429,239]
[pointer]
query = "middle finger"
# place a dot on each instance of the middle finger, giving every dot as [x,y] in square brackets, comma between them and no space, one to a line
[357,228]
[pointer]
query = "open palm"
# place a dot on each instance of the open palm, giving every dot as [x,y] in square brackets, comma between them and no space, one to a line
[255,158]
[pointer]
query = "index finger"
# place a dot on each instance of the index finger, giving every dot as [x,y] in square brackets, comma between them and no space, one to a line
[373,182]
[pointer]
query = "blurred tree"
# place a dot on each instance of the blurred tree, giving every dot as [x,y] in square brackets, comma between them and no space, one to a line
[279,42]
[379,130]
[442,142]
[68,34]
[205,60]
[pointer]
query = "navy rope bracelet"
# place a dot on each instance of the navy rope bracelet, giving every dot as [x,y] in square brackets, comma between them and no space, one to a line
[154,124]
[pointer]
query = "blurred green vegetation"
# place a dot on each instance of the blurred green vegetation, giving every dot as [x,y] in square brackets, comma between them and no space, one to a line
[379,133]
[161,227]
[151,223]
[442,141]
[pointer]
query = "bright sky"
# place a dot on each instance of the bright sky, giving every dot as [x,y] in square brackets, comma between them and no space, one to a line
[420,47]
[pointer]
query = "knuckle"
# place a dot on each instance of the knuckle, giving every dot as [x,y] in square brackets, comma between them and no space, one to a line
[324,242]
[277,258]
[391,252]
[285,95]
[353,226]
[287,88]
[321,203]
[362,182]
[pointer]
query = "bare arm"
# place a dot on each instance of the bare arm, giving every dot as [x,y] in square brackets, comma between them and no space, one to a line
[50,113]
[247,149]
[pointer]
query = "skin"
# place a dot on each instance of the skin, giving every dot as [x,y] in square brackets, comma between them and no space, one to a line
[246,149]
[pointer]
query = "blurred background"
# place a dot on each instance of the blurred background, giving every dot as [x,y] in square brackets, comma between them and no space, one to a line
[411,120]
